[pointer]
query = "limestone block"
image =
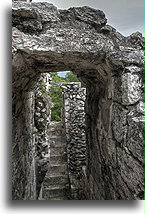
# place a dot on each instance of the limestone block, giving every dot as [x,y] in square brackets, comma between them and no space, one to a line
[131,88]
[119,122]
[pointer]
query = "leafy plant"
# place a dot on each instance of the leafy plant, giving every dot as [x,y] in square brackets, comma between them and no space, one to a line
[56,95]
[70,77]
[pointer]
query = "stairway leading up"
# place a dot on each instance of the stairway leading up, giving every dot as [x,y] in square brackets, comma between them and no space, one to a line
[56,183]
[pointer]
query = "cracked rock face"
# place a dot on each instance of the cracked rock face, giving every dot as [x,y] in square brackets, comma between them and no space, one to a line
[74,116]
[45,39]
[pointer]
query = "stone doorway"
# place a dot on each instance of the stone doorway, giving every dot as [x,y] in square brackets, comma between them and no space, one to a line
[61,149]
[111,67]
[66,139]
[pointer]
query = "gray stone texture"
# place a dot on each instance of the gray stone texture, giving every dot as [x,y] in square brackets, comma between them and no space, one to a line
[42,119]
[45,39]
[55,184]
[74,116]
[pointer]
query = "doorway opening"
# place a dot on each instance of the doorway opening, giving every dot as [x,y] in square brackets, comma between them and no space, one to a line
[58,171]
[56,92]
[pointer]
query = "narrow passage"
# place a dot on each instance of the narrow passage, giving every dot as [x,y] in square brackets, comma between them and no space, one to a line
[56,184]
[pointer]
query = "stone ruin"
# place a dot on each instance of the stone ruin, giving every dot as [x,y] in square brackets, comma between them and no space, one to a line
[73,121]
[104,142]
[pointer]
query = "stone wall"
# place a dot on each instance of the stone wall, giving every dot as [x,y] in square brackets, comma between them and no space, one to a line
[23,148]
[74,116]
[115,115]
[110,65]
[42,119]
[32,112]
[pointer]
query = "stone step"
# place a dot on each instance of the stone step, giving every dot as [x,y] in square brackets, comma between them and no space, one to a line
[60,145]
[57,168]
[57,151]
[55,179]
[54,159]
[60,138]
[56,191]
[58,198]
[59,141]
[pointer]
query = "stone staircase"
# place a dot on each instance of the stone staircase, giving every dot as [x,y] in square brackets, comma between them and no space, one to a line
[56,183]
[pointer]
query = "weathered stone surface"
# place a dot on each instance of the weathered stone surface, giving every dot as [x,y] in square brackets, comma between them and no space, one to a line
[42,118]
[111,67]
[23,149]
[119,122]
[95,18]
[74,116]
[136,39]
[31,17]
[55,184]
[131,88]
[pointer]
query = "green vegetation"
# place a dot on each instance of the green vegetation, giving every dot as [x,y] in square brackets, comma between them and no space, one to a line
[70,77]
[56,93]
